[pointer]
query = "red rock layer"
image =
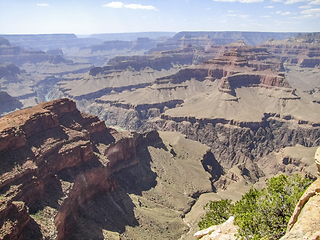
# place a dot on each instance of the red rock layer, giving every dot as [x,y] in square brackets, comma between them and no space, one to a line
[52,143]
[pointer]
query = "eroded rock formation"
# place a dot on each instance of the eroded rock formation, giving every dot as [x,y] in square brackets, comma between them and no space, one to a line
[65,175]
[8,103]
[240,104]
[303,50]
[304,223]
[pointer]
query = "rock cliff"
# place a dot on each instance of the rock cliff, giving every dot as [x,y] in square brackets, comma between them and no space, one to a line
[127,73]
[8,103]
[213,103]
[65,175]
[305,219]
[303,50]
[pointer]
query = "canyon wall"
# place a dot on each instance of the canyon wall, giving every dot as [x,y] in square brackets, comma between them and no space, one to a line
[65,175]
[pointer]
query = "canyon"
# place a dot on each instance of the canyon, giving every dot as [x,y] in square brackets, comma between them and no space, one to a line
[62,169]
[164,125]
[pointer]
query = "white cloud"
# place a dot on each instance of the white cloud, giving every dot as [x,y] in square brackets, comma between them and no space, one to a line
[139,6]
[276,1]
[238,15]
[294,1]
[268,6]
[43,4]
[315,2]
[278,12]
[130,6]
[114,5]
[305,6]
[266,16]
[241,1]
[311,13]
[207,9]
[286,13]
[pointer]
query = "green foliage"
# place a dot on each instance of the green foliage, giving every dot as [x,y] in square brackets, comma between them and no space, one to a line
[261,214]
[217,213]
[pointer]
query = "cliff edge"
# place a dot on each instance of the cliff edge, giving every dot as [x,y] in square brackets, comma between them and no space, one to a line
[65,175]
[305,221]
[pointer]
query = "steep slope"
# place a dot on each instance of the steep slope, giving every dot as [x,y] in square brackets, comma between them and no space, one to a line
[28,75]
[305,219]
[64,175]
[8,103]
[240,104]
[303,50]
[129,73]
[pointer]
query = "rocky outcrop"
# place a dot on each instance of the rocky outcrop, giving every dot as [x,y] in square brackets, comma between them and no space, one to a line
[68,170]
[39,143]
[157,61]
[245,66]
[302,50]
[226,230]
[8,103]
[305,219]
[228,84]
[216,107]
[16,221]
[9,71]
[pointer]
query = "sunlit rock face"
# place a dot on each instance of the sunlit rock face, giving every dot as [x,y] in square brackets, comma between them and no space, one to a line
[65,175]
[304,223]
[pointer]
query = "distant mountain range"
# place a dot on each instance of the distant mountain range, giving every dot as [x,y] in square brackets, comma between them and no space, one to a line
[52,41]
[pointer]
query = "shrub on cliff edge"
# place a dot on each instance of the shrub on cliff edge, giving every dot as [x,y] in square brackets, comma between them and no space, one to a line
[260,214]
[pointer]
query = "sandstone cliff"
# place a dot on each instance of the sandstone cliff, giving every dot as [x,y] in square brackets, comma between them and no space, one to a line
[304,223]
[65,175]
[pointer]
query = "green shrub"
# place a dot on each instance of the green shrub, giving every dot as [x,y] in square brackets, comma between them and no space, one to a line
[217,213]
[260,214]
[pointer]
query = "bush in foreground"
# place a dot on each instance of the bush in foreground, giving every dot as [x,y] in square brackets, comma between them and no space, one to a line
[260,214]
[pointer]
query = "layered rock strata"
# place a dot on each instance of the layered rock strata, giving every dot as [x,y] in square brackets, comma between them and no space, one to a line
[303,50]
[128,73]
[65,175]
[240,104]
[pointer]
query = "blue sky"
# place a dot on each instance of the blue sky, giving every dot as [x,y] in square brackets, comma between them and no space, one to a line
[103,16]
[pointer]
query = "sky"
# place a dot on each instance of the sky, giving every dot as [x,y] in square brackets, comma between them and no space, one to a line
[84,17]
